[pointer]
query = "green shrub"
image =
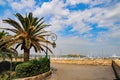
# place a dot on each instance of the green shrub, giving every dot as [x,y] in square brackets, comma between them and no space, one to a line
[14,64]
[32,68]
[36,67]
[45,64]
[23,70]
[4,66]
[27,69]
[34,62]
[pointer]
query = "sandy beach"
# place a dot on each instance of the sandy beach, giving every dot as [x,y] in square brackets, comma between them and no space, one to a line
[81,72]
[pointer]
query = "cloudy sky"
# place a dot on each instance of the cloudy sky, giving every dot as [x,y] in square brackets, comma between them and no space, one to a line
[87,27]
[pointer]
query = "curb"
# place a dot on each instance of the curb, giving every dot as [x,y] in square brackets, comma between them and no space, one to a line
[38,77]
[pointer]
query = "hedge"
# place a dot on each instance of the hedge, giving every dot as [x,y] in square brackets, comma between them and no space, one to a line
[5,66]
[14,64]
[32,68]
[45,65]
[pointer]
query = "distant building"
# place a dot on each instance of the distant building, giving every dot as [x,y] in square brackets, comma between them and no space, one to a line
[73,55]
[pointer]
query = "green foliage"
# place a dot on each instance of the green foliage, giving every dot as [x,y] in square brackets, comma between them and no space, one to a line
[32,68]
[29,32]
[4,66]
[3,33]
[14,64]
[3,76]
[5,47]
[45,64]
[23,70]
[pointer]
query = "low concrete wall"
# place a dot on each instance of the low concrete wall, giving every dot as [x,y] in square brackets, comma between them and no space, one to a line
[116,68]
[84,61]
[117,61]
[38,77]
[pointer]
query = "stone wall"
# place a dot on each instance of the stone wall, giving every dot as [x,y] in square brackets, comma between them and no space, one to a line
[116,68]
[117,62]
[84,61]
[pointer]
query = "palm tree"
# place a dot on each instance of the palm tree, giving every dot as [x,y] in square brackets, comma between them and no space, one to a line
[3,33]
[8,52]
[29,32]
[5,48]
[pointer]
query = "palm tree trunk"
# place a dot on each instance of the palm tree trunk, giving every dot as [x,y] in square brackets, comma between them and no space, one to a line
[26,54]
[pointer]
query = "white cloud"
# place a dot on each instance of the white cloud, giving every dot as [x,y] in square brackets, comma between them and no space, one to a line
[57,10]
[100,2]
[57,23]
[22,4]
[114,32]
[90,2]
[63,18]
[55,7]
[77,20]
[74,2]
[114,13]
[108,20]
[4,25]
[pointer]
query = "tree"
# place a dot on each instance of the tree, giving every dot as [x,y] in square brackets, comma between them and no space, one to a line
[29,32]
[2,34]
[5,48]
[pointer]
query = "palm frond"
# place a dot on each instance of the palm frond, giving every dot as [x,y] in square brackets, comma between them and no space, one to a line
[36,46]
[13,30]
[10,52]
[18,45]
[21,19]
[30,16]
[13,23]
[43,40]
[46,47]
[37,21]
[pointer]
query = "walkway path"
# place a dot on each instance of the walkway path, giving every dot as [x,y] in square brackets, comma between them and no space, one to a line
[81,72]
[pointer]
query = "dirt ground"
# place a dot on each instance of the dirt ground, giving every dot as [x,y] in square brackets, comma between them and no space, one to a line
[80,72]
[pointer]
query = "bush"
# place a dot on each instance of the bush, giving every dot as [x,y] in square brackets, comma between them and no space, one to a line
[14,64]
[4,66]
[36,67]
[23,70]
[45,64]
[32,68]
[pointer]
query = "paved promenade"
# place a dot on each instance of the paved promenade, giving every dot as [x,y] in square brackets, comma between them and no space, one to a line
[81,72]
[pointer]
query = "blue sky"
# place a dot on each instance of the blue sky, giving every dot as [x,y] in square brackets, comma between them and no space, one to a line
[87,27]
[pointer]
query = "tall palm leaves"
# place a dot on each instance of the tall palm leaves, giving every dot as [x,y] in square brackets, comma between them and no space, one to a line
[29,32]
[8,52]
[5,46]
[2,34]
